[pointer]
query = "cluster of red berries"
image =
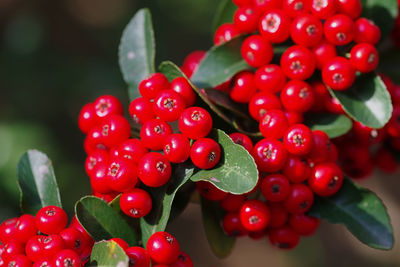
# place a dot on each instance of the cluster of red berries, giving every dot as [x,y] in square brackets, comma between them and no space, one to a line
[162,250]
[44,240]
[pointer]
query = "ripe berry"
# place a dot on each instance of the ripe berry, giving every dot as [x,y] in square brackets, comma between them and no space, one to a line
[152,85]
[98,179]
[243,87]
[338,73]
[296,169]
[195,123]
[298,140]
[114,130]
[43,247]
[19,260]
[154,169]
[367,135]
[303,225]
[122,243]
[243,140]
[323,9]
[183,87]
[254,215]
[284,238]
[322,146]
[87,118]
[270,155]
[132,150]
[225,33]
[326,179]
[364,57]
[300,199]
[279,215]
[232,225]
[270,78]
[138,257]
[25,228]
[163,248]
[11,249]
[232,203]
[136,203]
[107,105]
[256,51]
[96,157]
[7,230]
[68,258]
[210,192]
[366,31]
[205,153]
[323,52]
[261,102]
[275,26]
[298,62]
[339,29]
[246,19]
[306,30]
[297,96]
[275,187]
[191,63]
[121,175]
[183,260]
[94,140]
[265,5]
[51,220]
[240,3]
[73,239]
[274,124]
[141,110]
[296,7]
[168,105]
[153,134]
[351,8]
[177,148]
[293,117]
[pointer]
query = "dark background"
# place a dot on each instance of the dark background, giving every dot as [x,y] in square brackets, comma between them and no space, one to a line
[55,56]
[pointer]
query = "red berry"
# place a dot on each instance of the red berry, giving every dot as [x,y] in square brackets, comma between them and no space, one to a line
[205,153]
[323,9]
[338,73]
[7,230]
[321,94]
[141,110]
[138,257]
[296,7]
[240,3]
[25,228]
[107,105]
[122,243]
[279,215]
[322,146]
[298,62]
[300,199]
[284,237]
[94,140]
[51,220]
[152,85]
[296,169]
[232,203]
[351,8]
[270,78]
[232,225]
[19,261]
[191,63]
[163,248]
[298,140]
[257,51]
[177,148]
[303,225]
[168,105]
[297,96]
[364,57]
[275,26]
[68,258]
[293,117]
[275,187]
[366,31]
[339,29]
[181,86]
[154,133]
[246,19]
[73,239]
[243,87]
[306,30]
[265,5]
[243,140]
[93,159]
[323,52]
[225,33]
[254,215]
[43,263]
[136,203]
[195,123]
[273,124]
[132,150]
[326,179]
[154,169]
[121,175]
[183,260]
[98,179]
[114,130]
[261,102]
[270,155]
[87,118]
[43,247]
[11,249]
[210,192]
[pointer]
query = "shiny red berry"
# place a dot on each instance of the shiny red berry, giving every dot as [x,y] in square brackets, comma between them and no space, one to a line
[191,63]
[87,118]
[261,102]
[243,87]
[265,5]
[298,140]
[121,175]
[122,243]
[152,85]
[246,19]
[51,220]
[296,7]
[73,239]
[195,123]
[339,29]
[7,230]
[19,260]
[366,31]
[225,33]
[351,8]
[138,257]
[132,150]
[326,179]
[296,169]
[232,225]
[153,134]
[177,148]
[306,30]
[68,258]
[284,237]
[270,155]
[243,140]
[163,248]
[183,260]
[338,73]
[300,199]
[298,62]
[25,228]
[114,130]
[270,78]
[11,249]
[297,96]
[323,52]
[322,146]
[183,87]
[168,105]
[364,57]
[107,105]
[96,157]
[154,169]
[254,215]
[210,192]
[257,51]
[43,247]
[275,25]
[323,9]
[141,110]
[275,187]
[98,179]
[205,153]
[136,203]
[273,124]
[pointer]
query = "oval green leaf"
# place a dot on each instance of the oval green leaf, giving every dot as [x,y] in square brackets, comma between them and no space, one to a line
[103,222]
[137,51]
[108,253]
[224,14]
[367,101]
[333,125]
[220,64]
[163,198]
[382,12]
[361,211]
[37,182]
[212,215]
[236,172]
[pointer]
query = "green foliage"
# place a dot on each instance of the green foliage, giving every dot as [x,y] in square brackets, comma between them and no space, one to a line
[102,221]
[108,253]
[361,211]
[236,172]
[382,12]
[37,182]
[137,51]
[332,124]
[224,14]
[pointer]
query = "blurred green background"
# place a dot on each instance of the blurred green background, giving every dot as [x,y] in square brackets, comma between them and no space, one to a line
[55,56]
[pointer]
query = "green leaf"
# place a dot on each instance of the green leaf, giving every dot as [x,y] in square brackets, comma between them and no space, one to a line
[37,182]
[163,198]
[382,12]
[367,101]
[137,51]
[361,211]
[236,172]
[224,13]
[220,64]
[212,215]
[108,253]
[102,221]
[333,125]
